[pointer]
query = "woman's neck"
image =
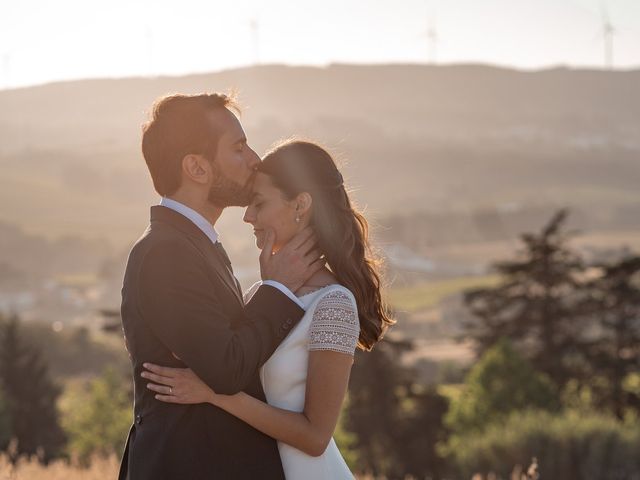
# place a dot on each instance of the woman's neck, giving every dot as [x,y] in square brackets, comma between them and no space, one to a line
[320,279]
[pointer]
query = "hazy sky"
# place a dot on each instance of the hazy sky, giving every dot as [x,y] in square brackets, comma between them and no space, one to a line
[47,40]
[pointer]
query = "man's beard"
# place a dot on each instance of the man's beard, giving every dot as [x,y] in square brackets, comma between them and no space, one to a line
[227,193]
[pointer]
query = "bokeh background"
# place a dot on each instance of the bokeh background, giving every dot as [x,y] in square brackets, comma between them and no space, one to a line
[494,145]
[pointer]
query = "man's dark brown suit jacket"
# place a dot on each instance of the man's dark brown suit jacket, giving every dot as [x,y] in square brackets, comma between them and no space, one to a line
[180,298]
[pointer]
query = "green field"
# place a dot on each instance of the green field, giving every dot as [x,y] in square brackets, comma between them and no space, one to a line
[429,294]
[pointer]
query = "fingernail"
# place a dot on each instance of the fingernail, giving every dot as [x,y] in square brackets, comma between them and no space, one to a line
[145,365]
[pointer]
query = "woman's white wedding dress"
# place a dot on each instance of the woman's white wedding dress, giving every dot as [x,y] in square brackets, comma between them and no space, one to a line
[329,323]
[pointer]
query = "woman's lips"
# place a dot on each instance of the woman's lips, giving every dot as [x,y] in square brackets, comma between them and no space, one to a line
[256,231]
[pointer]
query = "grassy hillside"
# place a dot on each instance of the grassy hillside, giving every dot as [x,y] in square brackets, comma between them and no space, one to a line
[410,138]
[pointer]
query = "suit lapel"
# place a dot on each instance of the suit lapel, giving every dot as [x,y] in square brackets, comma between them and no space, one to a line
[203,244]
[221,269]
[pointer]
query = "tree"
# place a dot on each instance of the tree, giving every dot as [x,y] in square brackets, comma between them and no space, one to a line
[98,419]
[386,409]
[30,396]
[614,352]
[536,304]
[374,399]
[501,383]
[5,422]
[420,431]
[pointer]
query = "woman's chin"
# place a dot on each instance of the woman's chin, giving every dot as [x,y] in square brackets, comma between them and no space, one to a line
[260,244]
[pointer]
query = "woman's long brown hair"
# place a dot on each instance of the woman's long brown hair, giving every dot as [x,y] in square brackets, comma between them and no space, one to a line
[342,232]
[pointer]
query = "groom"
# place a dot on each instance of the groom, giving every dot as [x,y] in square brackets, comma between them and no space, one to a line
[182,306]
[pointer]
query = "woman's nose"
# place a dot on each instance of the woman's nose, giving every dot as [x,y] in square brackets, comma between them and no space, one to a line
[248,216]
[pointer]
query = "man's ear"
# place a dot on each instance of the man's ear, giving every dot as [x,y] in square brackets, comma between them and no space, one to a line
[303,203]
[196,168]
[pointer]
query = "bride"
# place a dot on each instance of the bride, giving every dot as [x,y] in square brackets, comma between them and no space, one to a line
[306,379]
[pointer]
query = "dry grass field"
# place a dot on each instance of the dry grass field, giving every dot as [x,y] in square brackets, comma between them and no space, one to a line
[100,469]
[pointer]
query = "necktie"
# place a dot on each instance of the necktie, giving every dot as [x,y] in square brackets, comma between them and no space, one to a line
[225,258]
[223,254]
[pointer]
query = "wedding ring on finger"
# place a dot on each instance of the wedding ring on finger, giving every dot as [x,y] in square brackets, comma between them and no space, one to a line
[170,390]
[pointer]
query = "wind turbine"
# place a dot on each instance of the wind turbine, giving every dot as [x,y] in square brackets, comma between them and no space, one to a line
[6,69]
[607,34]
[432,39]
[149,40]
[254,25]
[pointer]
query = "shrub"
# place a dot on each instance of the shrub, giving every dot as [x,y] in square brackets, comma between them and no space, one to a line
[501,382]
[567,446]
[97,419]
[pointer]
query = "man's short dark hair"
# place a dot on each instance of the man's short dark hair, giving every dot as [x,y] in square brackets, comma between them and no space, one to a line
[180,126]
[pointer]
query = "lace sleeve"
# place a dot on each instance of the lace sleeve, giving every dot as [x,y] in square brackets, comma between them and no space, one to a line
[335,324]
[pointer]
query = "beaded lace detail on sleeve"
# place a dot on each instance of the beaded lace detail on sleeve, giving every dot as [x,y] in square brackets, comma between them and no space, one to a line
[335,324]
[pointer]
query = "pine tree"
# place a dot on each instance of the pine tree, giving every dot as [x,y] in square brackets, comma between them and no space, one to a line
[614,351]
[536,304]
[5,422]
[397,425]
[375,393]
[30,396]
[420,430]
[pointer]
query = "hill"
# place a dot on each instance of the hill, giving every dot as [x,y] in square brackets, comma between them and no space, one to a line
[445,139]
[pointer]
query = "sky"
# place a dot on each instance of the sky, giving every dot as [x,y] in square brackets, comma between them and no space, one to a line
[49,40]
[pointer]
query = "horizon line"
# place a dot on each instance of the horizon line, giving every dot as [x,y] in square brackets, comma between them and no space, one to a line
[496,66]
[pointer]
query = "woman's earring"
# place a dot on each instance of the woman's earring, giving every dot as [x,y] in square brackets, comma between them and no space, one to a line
[297,218]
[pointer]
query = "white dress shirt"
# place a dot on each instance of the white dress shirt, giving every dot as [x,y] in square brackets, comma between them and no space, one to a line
[208,229]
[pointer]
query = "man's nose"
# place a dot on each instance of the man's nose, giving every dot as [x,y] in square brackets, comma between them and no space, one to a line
[254,160]
[248,218]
